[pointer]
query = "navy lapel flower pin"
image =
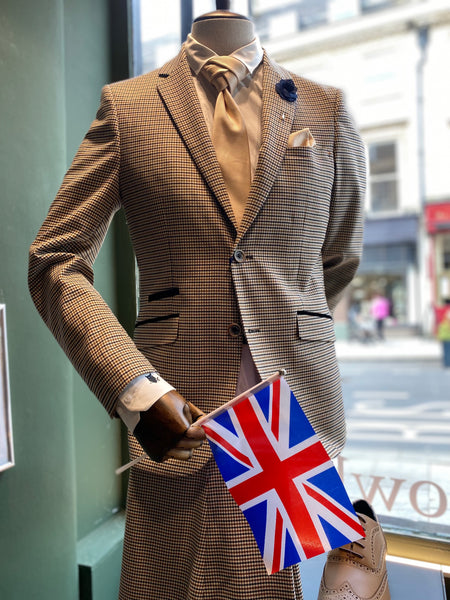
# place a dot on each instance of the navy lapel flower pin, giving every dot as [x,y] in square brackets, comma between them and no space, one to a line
[287,90]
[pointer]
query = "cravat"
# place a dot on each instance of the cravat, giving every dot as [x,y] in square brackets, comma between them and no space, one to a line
[229,134]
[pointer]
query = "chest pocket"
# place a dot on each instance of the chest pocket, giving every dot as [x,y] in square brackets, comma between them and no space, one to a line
[310,167]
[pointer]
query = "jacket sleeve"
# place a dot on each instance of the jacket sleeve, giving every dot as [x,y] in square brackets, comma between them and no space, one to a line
[341,251]
[61,259]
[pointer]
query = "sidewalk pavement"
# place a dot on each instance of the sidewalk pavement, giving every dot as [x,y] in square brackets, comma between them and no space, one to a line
[401,348]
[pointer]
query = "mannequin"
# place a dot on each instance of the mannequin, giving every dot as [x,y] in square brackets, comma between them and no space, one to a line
[223,31]
[149,152]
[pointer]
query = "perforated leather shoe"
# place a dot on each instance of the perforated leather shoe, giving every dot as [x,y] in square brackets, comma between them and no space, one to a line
[357,571]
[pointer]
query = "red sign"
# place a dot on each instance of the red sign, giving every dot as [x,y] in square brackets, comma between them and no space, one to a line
[438,217]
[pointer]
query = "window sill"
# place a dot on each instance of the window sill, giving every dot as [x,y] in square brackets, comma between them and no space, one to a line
[420,549]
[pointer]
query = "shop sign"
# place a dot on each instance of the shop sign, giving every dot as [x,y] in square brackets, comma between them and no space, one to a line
[438,217]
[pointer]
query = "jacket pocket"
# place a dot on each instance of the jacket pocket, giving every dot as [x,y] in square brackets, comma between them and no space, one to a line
[315,326]
[156,331]
[157,323]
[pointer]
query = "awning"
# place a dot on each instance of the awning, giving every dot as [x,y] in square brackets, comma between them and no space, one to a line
[391,231]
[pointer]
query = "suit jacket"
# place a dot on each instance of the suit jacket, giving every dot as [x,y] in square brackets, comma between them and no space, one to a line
[204,283]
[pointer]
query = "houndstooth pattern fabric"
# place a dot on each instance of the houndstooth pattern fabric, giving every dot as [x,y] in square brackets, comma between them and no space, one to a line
[150,153]
[216,559]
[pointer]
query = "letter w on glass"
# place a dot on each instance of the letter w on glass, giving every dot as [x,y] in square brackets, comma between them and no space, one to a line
[280,475]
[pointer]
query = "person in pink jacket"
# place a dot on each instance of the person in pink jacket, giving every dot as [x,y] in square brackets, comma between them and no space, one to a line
[379,309]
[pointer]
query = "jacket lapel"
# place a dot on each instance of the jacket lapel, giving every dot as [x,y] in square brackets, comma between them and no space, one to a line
[176,88]
[277,118]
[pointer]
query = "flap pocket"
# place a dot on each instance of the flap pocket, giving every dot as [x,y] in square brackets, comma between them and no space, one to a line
[315,326]
[156,331]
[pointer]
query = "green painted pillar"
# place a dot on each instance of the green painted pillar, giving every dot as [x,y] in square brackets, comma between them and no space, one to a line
[37,502]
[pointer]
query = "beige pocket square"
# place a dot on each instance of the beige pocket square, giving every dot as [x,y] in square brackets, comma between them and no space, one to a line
[301,139]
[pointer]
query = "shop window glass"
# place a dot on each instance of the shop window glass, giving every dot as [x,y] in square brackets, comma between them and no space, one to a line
[200,7]
[261,6]
[158,36]
[398,448]
[282,24]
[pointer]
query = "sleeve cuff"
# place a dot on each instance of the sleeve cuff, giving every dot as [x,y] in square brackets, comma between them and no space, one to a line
[139,395]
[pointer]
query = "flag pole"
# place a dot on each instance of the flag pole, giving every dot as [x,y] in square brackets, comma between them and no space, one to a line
[253,390]
[202,420]
[125,467]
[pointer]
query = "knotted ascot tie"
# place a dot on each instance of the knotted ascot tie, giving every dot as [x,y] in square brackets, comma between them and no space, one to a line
[229,134]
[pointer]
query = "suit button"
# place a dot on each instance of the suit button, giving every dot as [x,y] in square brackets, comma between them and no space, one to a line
[234,330]
[239,256]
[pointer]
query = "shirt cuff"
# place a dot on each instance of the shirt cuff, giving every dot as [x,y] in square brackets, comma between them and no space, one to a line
[139,395]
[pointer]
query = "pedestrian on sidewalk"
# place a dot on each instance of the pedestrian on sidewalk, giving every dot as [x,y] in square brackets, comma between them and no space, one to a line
[379,310]
[443,334]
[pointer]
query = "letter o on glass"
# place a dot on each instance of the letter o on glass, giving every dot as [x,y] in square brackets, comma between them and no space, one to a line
[442,507]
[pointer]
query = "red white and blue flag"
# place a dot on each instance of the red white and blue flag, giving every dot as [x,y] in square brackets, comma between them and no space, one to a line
[280,475]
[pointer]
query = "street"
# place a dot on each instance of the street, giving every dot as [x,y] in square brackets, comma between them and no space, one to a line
[398,404]
[398,442]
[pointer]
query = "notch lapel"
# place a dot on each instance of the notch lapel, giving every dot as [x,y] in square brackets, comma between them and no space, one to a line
[177,90]
[276,125]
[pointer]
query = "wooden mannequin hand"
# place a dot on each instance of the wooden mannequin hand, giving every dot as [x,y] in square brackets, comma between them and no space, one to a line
[166,429]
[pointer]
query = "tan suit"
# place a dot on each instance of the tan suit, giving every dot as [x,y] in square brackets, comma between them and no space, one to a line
[204,286]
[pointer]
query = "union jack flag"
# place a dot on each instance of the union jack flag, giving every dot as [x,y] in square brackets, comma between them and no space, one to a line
[281,477]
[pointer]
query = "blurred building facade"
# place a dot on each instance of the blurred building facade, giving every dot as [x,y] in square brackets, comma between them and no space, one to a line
[390,58]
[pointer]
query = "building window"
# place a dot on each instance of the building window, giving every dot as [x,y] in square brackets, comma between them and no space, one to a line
[370,5]
[342,9]
[446,253]
[313,13]
[383,165]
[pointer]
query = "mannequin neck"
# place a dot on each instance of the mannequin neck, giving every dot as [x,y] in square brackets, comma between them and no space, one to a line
[223,35]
